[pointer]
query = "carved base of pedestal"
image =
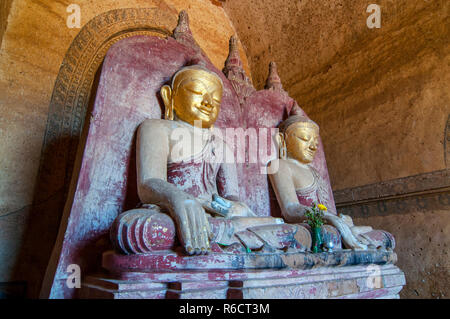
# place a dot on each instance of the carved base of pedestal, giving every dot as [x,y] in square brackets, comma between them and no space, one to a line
[370,281]
[172,261]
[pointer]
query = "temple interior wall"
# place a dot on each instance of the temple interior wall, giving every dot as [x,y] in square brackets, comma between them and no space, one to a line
[422,238]
[380,97]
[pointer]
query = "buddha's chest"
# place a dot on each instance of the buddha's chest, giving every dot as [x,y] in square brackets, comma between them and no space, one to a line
[301,177]
[187,144]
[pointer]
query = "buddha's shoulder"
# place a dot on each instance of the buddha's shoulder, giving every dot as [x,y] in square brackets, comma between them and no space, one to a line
[155,124]
[281,165]
[294,166]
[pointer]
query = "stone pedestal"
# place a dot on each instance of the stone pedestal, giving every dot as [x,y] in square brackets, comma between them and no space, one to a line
[362,282]
[299,275]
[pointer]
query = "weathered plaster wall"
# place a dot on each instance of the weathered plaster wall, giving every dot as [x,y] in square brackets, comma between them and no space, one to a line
[35,39]
[5,5]
[381,97]
[421,227]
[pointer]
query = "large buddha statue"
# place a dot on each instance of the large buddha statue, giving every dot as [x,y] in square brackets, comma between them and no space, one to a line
[178,177]
[298,185]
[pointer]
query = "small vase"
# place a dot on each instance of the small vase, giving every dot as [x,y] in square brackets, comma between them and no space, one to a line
[316,240]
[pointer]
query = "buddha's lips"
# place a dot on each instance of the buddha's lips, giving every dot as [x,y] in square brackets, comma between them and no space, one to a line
[204,110]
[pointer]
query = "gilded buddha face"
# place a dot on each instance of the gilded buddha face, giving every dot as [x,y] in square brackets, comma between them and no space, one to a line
[302,142]
[195,95]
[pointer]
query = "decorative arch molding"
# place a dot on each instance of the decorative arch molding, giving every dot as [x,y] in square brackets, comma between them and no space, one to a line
[71,93]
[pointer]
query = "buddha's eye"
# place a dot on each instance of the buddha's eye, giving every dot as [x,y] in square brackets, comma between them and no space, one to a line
[216,95]
[193,90]
[303,138]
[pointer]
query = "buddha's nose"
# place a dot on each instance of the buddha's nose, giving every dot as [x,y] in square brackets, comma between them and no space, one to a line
[207,99]
[313,146]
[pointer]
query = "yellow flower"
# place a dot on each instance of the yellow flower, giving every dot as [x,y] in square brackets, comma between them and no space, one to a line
[322,207]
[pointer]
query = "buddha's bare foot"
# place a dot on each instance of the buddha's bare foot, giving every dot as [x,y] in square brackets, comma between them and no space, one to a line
[193,225]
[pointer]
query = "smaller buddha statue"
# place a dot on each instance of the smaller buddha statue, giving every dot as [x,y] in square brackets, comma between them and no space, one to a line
[298,185]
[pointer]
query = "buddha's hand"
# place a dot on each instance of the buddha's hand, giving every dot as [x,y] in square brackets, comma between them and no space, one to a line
[192,224]
[229,208]
[343,226]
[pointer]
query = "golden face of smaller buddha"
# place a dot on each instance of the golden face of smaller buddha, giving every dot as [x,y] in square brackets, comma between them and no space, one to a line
[302,142]
[195,96]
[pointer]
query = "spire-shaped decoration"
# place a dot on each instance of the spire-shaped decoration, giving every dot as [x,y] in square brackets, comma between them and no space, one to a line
[273,80]
[235,72]
[233,61]
[182,32]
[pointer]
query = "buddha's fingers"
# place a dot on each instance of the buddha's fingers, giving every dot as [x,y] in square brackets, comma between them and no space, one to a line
[181,217]
[346,233]
[210,234]
[352,242]
[219,208]
[201,233]
[222,201]
[204,233]
[206,230]
[201,229]
[192,212]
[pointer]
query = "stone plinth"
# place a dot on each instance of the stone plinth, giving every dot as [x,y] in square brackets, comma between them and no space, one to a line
[369,281]
[297,275]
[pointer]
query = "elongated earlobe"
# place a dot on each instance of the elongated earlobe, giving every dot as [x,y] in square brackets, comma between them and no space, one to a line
[282,150]
[166,94]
